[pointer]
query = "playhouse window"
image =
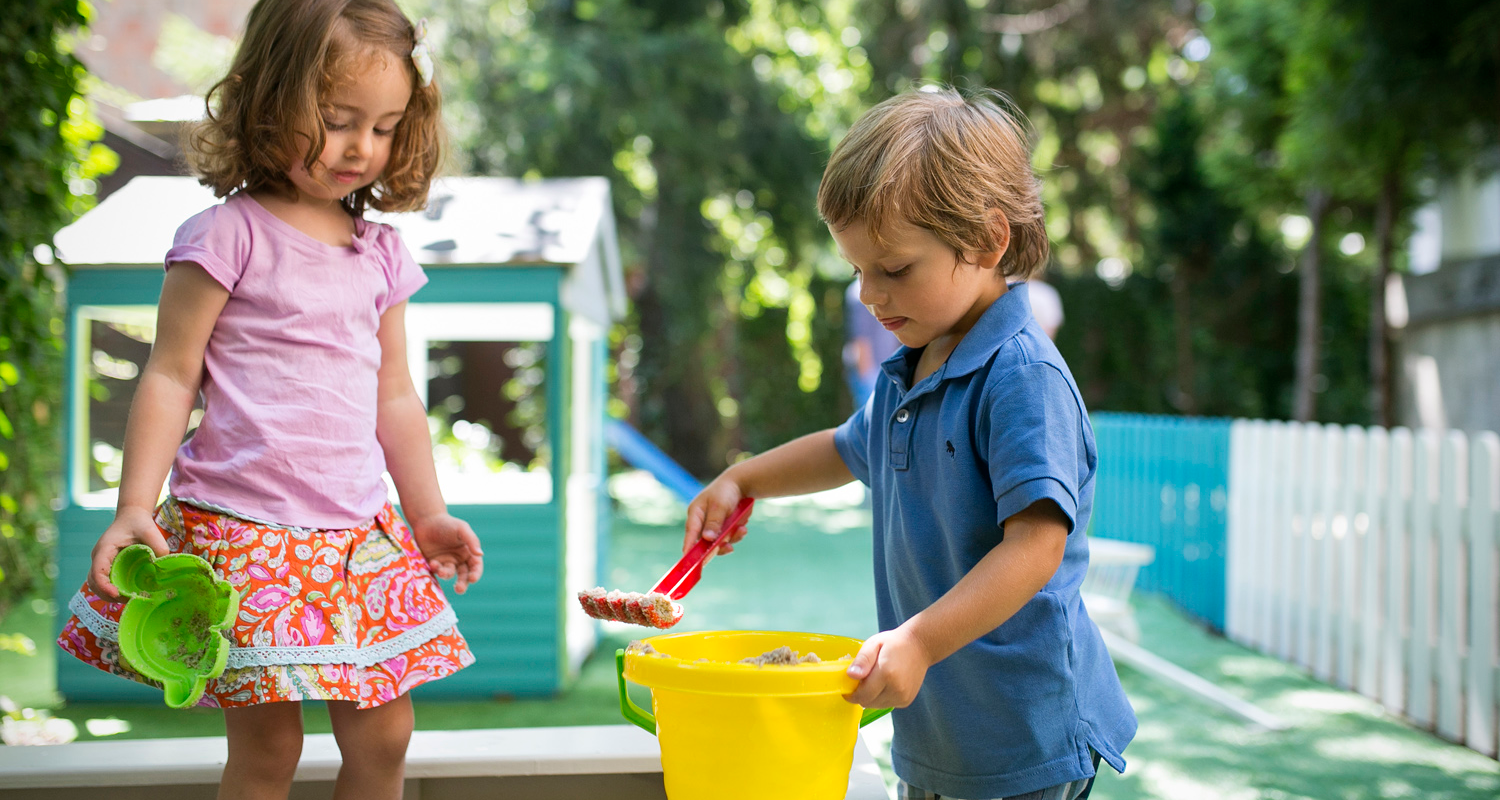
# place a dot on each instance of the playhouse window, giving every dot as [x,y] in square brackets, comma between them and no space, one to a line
[113,343]
[485,388]
[480,369]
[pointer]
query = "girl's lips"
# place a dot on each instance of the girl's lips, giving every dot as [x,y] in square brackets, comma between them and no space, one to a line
[346,177]
[892,323]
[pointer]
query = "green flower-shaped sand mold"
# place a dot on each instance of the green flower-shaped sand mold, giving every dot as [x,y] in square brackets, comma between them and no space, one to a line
[172,627]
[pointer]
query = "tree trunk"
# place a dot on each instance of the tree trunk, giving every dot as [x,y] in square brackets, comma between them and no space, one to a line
[1185,397]
[676,334]
[1385,235]
[1310,312]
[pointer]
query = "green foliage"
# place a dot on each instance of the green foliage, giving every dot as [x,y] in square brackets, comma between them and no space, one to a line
[47,166]
[1177,144]
[1154,156]
[770,412]
[712,121]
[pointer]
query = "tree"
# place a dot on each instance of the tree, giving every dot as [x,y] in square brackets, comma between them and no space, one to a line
[1414,96]
[47,165]
[713,120]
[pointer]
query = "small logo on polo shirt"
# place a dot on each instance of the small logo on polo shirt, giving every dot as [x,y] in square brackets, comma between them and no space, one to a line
[950,449]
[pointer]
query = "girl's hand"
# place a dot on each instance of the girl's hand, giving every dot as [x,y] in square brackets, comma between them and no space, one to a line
[707,512]
[890,668]
[451,549]
[131,526]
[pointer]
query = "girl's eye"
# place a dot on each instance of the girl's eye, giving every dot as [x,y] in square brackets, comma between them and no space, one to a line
[379,132]
[333,126]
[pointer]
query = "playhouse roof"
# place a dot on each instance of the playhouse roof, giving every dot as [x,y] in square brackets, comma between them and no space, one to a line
[469,221]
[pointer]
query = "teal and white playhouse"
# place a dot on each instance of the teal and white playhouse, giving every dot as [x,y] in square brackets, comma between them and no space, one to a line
[507,345]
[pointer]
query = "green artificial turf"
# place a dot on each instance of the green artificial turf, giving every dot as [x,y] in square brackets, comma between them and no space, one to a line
[806,567]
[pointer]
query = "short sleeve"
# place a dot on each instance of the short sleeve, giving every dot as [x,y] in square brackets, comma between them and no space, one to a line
[403,275]
[853,441]
[216,239]
[1031,431]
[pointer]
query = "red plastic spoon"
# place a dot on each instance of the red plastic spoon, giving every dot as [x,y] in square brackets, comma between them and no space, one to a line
[658,608]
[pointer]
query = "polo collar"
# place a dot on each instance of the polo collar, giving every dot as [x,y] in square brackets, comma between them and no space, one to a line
[997,325]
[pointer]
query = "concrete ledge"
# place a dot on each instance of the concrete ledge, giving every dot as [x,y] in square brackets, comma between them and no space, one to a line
[599,762]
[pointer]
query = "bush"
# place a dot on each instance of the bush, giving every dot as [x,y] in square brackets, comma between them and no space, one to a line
[48,158]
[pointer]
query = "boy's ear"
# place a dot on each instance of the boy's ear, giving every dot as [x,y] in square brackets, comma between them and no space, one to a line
[1000,227]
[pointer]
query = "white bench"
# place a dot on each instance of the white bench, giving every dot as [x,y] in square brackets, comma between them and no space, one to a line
[599,762]
[1113,567]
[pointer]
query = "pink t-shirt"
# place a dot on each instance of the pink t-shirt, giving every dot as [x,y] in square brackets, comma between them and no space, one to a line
[290,372]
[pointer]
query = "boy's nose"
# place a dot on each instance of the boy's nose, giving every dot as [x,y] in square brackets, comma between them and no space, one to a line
[869,296]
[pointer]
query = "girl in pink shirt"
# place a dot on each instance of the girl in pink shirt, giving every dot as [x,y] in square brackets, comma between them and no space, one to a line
[285,309]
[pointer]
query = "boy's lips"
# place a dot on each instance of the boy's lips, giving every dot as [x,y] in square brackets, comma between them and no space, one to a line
[892,323]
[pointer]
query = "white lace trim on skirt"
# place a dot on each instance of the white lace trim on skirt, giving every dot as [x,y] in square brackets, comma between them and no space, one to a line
[240,657]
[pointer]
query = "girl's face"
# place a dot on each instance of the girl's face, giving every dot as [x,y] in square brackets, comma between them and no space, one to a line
[359,118]
[916,285]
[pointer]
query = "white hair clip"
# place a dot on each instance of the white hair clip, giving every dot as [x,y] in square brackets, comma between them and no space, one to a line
[421,54]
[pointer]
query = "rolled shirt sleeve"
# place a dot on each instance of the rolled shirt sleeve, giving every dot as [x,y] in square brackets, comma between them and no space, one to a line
[216,240]
[1032,429]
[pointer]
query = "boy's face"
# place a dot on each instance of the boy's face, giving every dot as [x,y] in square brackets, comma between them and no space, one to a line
[916,285]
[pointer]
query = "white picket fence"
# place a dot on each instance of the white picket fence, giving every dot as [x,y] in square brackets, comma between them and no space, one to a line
[1369,557]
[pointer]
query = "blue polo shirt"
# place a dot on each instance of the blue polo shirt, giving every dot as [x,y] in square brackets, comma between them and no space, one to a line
[998,427]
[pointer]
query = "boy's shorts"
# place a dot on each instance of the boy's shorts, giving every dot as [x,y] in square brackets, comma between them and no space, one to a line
[1073,790]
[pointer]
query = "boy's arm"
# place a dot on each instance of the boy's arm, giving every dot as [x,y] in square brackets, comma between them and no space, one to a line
[449,544]
[189,307]
[807,464]
[891,665]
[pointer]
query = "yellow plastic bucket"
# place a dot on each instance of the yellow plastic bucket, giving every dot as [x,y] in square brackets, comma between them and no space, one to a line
[731,731]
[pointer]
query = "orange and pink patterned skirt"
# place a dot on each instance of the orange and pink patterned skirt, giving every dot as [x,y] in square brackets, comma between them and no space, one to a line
[350,614]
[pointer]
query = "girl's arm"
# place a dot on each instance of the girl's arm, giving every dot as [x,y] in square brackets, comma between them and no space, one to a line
[449,544]
[801,466]
[189,307]
[892,664]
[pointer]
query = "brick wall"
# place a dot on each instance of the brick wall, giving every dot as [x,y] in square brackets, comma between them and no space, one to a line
[124,34]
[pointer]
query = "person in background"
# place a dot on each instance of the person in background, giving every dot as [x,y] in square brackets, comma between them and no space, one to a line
[1046,304]
[867,343]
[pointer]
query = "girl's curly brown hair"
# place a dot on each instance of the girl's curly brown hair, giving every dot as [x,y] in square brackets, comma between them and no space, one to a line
[267,111]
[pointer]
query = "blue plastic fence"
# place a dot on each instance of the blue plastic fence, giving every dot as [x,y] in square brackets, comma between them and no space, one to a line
[1164,481]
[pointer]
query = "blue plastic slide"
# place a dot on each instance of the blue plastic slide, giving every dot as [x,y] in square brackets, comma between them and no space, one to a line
[640,453]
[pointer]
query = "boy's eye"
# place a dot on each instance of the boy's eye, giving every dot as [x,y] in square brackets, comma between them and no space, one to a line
[898,273]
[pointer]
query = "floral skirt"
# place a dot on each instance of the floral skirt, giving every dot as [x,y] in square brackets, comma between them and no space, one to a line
[350,614]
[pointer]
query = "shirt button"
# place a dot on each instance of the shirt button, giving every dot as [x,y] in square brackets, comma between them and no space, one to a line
[903,415]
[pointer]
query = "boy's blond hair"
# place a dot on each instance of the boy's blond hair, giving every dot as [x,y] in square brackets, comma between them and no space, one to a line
[944,161]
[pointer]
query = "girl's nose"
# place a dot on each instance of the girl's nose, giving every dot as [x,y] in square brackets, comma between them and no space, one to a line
[362,145]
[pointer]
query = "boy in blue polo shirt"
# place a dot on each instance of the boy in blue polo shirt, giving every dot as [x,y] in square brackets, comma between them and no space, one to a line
[980,459]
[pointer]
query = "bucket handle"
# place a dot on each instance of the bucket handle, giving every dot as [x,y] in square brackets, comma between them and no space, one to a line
[647,722]
[632,712]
